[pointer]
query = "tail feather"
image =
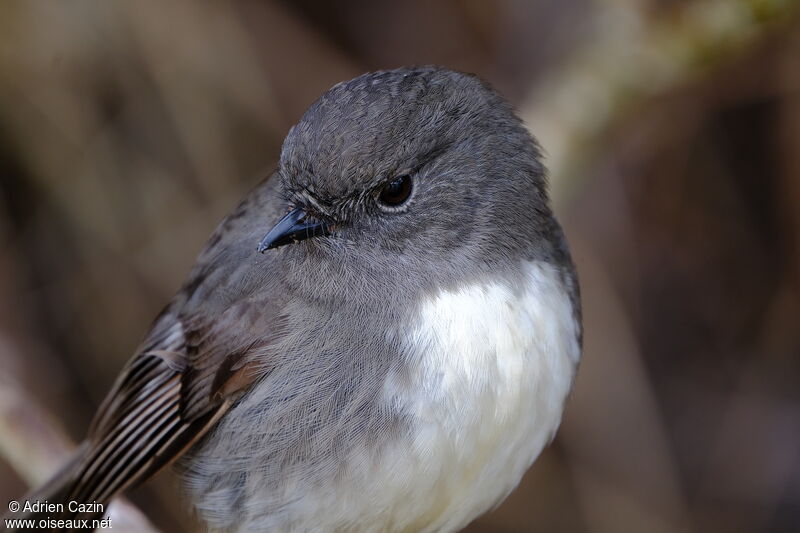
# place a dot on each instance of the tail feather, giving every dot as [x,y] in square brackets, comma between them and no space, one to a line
[49,507]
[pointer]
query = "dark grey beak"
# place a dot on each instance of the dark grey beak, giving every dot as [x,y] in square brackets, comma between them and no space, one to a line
[292,228]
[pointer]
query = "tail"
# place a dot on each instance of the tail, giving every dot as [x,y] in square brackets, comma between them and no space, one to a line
[51,508]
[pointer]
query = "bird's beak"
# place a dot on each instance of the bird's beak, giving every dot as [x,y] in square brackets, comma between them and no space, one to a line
[292,228]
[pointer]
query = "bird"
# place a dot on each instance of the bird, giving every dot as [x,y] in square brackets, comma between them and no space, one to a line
[381,337]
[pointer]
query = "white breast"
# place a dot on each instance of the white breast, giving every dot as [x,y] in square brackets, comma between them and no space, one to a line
[488,368]
[491,370]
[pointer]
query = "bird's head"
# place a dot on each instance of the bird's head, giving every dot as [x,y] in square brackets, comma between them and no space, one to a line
[422,174]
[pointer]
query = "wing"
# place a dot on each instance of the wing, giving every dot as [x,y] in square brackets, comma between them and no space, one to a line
[147,419]
[167,397]
[193,365]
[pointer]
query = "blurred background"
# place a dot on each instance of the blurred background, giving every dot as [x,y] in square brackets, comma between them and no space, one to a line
[672,132]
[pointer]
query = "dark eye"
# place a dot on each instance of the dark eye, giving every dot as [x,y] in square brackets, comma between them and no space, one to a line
[396,191]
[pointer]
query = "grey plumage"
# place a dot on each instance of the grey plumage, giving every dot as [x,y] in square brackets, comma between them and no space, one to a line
[271,369]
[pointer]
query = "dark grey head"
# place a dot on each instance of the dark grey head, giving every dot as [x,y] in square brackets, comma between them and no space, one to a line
[413,178]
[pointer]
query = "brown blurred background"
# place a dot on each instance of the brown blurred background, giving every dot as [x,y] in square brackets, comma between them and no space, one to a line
[128,129]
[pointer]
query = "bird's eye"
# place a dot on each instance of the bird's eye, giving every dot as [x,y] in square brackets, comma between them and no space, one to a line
[396,192]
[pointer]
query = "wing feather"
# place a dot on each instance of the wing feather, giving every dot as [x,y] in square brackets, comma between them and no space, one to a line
[159,406]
